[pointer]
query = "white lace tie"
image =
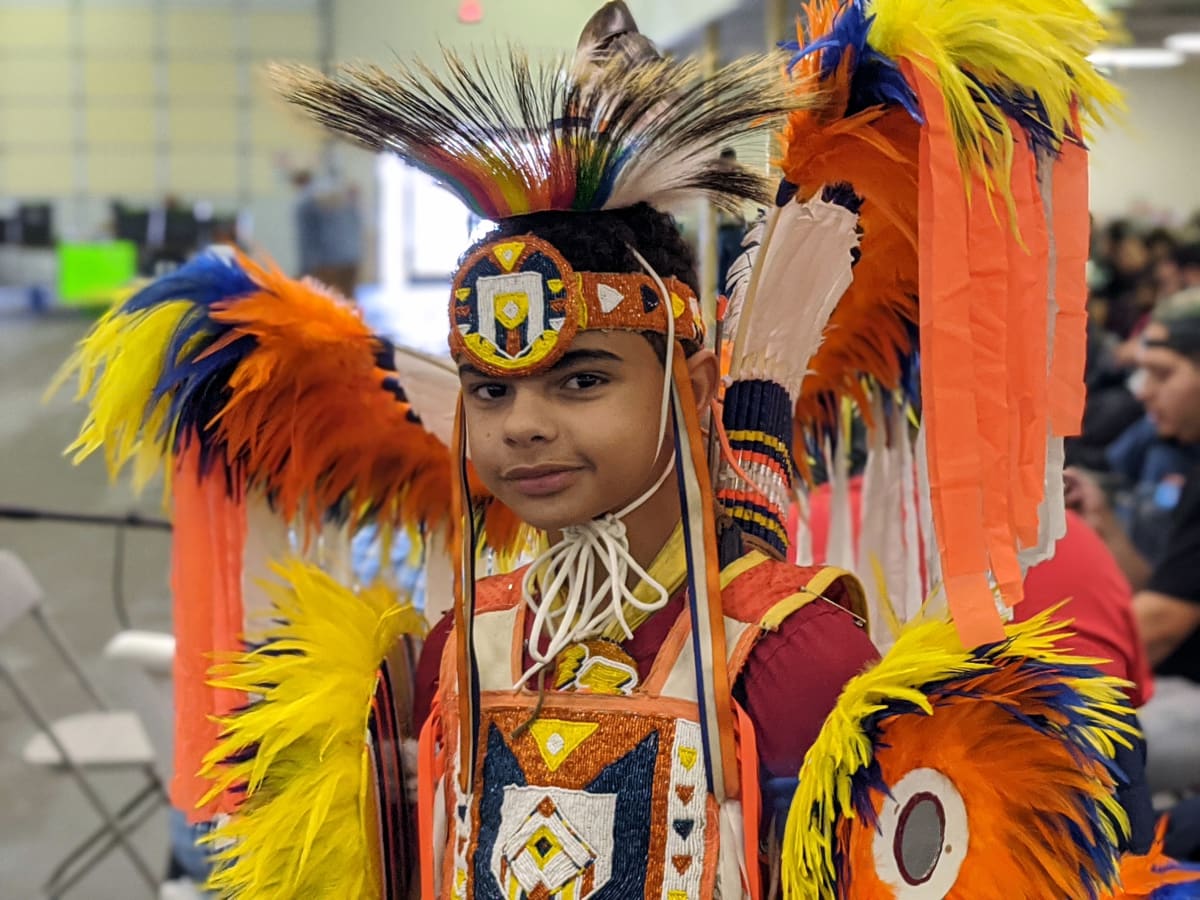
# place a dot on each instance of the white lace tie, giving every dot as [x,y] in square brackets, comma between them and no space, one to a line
[570,570]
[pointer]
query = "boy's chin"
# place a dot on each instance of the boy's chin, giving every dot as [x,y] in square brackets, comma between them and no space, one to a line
[553,514]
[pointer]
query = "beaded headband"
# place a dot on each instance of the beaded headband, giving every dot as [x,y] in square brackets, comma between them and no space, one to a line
[516,306]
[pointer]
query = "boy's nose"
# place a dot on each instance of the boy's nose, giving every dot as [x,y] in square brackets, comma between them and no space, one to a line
[527,420]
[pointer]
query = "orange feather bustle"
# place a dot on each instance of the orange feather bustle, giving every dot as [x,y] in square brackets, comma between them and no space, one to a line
[1017,846]
[1141,876]
[874,152]
[310,419]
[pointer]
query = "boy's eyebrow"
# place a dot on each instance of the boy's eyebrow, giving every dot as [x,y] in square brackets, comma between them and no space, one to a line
[569,358]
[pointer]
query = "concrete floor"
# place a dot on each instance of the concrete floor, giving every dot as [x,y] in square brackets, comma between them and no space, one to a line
[44,813]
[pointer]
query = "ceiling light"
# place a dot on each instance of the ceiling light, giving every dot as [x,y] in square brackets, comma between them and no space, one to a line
[1136,57]
[1184,43]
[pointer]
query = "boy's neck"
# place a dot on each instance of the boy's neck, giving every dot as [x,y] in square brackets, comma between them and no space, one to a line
[649,527]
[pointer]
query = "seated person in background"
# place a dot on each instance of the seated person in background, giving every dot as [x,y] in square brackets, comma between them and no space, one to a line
[1110,409]
[1101,611]
[1151,471]
[1187,261]
[1167,603]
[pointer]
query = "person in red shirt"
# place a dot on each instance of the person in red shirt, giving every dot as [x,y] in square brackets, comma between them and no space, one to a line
[1099,605]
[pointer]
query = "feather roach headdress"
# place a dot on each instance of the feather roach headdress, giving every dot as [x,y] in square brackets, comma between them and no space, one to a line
[511,136]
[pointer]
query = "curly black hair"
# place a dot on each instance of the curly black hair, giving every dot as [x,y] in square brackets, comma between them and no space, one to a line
[600,241]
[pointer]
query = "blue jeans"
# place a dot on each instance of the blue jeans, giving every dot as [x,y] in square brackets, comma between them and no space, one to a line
[191,856]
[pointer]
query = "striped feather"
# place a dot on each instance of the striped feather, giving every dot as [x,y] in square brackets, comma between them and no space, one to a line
[510,137]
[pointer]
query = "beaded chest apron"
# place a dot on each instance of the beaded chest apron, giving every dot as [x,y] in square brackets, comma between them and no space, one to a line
[604,794]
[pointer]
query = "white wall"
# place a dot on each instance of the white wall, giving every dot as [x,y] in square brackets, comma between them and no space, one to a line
[138,99]
[379,29]
[1151,157]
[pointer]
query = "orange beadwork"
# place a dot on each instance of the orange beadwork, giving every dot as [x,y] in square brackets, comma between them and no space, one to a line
[596,667]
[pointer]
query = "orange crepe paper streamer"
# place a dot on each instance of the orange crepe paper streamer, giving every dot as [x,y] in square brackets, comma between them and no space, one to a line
[947,349]
[1028,369]
[206,586]
[1071,234]
[991,312]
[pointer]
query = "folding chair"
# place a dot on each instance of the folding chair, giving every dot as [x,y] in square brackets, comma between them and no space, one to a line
[101,738]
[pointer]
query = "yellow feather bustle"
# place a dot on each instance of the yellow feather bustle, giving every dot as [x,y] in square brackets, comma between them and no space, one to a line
[300,753]
[119,363]
[1038,47]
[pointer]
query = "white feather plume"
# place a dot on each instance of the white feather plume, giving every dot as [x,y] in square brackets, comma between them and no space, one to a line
[802,269]
[737,279]
[432,387]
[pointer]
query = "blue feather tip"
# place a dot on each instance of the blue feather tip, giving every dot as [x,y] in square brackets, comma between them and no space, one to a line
[1028,113]
[875,79]
[196,380]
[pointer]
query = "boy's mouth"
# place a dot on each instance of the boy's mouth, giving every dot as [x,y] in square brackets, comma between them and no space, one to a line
[540,481]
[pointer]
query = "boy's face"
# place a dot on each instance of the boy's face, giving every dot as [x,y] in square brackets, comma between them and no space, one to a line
[1169,388]
[575,442]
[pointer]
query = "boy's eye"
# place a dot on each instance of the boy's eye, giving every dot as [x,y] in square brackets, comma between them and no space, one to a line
[583,381]
[488,391]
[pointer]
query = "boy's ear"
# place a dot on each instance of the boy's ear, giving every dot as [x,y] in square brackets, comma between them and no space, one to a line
[705,373]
